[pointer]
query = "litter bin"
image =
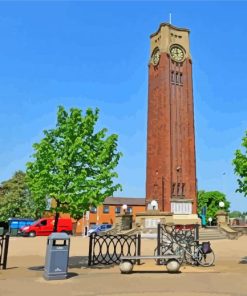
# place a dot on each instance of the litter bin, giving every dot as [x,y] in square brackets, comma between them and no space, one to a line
[57,256]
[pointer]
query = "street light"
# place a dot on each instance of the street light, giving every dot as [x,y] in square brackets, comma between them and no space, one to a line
[221,204]
[124,207]
[210,220]
[154,204]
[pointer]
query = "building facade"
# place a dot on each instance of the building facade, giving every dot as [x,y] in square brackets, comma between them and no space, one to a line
[106,213]
[171,164]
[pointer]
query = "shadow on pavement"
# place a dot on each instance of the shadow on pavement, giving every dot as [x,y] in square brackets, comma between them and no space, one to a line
[36,268]
[243,260]
[82,262]
[77,262]
[71,275]
[155,271]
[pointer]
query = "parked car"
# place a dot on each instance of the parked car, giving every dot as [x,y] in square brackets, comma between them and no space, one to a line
[98,228]
[44,226]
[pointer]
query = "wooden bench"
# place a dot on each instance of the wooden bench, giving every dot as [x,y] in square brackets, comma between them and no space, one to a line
[171,261]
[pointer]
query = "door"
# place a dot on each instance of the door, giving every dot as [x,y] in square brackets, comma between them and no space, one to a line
[45,227]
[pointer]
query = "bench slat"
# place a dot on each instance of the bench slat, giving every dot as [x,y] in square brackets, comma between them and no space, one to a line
[150,257]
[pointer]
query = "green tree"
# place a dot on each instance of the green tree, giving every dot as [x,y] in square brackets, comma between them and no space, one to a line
[211,200]
[15,198]
[235,214]
[73,164]
[240,166]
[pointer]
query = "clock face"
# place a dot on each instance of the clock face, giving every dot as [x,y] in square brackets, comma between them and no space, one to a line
[177,53]
[156,56]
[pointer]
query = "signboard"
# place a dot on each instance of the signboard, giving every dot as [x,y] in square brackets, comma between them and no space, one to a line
[181,207]
[151,223]
[87,215]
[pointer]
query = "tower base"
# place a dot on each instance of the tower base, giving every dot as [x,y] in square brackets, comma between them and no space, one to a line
[148,221]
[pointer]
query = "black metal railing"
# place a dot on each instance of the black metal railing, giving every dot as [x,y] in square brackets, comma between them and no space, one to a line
[107,249]
[4,246]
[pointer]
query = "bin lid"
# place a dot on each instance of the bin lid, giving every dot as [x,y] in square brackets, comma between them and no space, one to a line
[58,235]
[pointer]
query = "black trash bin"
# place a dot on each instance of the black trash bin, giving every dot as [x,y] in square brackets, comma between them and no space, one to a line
[57,256]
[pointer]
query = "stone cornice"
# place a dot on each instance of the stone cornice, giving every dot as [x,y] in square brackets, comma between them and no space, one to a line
[171,26]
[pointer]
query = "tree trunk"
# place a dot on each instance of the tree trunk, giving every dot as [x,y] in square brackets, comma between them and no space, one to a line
[56,222]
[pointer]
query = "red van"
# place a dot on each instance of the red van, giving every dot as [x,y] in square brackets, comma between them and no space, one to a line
[44,226]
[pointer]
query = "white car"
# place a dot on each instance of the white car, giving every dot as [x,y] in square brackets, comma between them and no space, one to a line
[99,228]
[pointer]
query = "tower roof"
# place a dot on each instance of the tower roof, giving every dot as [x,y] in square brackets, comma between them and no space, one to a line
[169,25]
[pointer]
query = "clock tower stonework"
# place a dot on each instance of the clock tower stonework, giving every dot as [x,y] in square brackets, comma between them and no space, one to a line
[171,164]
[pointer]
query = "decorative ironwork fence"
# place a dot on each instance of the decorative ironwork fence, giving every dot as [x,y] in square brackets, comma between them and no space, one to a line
[4,245]
[107,249]
[170,237]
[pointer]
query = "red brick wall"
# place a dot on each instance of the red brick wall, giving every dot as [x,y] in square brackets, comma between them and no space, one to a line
[170,135]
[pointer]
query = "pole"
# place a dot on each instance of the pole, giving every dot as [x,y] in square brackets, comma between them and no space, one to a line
[163,194]
[158,244]
[90,249]
[5,254]
[138,248]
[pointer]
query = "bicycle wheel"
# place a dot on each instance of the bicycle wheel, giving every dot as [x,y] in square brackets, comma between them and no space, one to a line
[205,259]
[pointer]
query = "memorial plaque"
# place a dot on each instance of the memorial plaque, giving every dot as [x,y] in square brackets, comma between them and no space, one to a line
[181,207]
[151,223]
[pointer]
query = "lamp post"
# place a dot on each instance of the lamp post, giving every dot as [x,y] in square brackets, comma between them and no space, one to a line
[124,207]
[210,220]
[154,205]
[222,216]
[221,204]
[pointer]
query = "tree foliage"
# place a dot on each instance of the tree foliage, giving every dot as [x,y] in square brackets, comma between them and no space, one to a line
[15,198]
[235,214]
[211,200]
[240,166]
[73,164]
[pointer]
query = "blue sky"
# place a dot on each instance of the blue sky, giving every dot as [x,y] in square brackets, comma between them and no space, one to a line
[95,54]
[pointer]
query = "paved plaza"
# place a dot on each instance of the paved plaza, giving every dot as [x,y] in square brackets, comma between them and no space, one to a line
[24,275]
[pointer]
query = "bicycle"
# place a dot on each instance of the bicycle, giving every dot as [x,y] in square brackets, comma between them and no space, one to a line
[197,254]
[191,252]
[181,241]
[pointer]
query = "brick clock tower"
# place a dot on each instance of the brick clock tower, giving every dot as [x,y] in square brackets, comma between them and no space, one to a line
[171,165]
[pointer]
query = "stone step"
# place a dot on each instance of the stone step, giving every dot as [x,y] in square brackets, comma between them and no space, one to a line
[211,234]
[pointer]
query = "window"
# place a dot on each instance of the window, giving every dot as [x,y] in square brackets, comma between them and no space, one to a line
[177,78]
[106,210]
[117,210]
[92,225]
[43,223]
[181,78]
[93,210]
[172,77]
[129,210]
